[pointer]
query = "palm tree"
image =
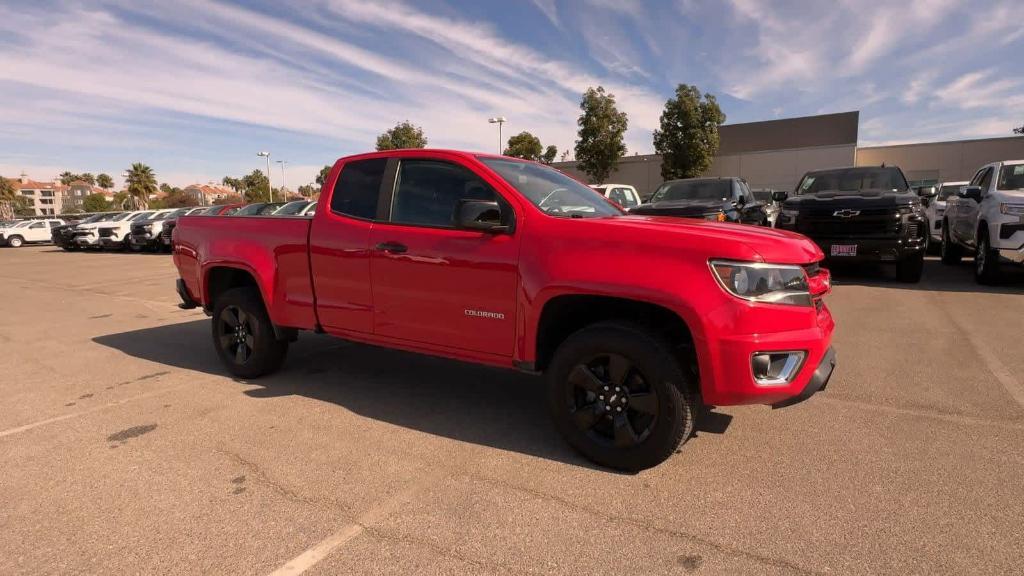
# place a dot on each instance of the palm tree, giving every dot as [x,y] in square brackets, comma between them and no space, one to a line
[8,196]
[141,183]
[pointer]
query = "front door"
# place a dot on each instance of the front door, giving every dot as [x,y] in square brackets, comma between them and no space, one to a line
[434,283]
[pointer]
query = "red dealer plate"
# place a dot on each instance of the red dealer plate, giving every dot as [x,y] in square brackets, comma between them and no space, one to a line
[844,250]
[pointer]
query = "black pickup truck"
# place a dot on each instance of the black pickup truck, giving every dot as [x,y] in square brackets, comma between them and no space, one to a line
[863,214]
[721,199]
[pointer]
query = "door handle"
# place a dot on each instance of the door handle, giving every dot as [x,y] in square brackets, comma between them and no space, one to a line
[393,247]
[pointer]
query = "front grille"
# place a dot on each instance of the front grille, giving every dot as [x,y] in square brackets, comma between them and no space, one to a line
[877,223]
[106,232]
[138,230]
[165,233]
[913,229]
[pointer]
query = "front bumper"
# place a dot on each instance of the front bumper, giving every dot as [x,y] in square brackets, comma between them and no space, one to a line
[734,336]
[1011,256]
[87,240]
[817,383]
[144,240]
[873,249]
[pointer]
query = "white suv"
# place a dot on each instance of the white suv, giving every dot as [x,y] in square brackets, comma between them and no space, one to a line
[27,231]
[92,235]
[987,216]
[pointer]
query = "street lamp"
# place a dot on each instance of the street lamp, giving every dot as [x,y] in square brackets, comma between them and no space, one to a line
[282,163]
[270,190]
[499,120]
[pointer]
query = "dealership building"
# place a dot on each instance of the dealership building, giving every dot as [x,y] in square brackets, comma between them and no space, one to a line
[776,153]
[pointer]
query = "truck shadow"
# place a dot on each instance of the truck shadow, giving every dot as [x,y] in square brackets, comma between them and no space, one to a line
[492,407]
[937,277]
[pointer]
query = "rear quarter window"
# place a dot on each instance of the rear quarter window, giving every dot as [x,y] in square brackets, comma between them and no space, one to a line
[358,188]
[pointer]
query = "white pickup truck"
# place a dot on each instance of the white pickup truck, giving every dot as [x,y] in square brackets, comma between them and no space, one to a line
[27,231]
[987,216]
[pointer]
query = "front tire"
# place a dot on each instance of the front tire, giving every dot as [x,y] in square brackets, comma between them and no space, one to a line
[620,397]
[986,260]
[15,242]
[951,253]
[243,335]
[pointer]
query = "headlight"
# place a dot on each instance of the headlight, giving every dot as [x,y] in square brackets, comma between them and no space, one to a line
[757,282]
[1014,209]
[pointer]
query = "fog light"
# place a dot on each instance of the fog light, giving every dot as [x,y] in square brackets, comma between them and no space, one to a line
[775,368]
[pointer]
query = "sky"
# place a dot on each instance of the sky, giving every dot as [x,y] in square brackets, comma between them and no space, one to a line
[196,88]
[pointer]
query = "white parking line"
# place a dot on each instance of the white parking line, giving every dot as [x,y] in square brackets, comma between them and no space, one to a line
[26,427]
[325,547]
[1010,382]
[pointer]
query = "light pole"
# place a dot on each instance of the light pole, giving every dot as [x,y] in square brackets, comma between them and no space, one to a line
[282,163]
[270,190]
[499,120]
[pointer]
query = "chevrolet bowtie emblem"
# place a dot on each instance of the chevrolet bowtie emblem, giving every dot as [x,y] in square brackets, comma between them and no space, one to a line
[846,213]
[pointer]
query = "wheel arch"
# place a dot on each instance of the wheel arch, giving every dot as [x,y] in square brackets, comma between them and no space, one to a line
[564,314]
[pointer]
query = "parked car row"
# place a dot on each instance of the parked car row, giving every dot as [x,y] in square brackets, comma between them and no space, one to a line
[135,230]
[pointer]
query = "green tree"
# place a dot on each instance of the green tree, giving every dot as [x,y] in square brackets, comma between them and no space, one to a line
[87,178]
[602,127]
[308,190]
[254,186]
[105,181]
[322,176]
[1019,130]
[66,178]
[8,198]
[166,188]
[233,183]
[688,137]
[403,135]
[141,184]
[549,154]
[120,200]
[22,207]
[177,198]
[95,203]
[524,145]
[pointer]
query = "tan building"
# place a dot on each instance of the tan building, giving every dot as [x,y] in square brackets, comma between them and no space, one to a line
[44,198]
[776,153]
[207,194]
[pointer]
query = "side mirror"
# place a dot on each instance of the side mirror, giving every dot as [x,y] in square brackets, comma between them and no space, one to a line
[741,201]
[972,192]
[480,215]
[927,191]
[779,195]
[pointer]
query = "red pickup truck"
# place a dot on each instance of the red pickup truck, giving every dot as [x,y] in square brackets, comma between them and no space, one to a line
[636,321]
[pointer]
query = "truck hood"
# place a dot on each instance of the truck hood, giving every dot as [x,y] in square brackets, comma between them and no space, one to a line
[720,239]
[859,200]
[683,208]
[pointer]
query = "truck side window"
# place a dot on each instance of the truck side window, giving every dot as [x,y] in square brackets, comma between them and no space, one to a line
[986,179]
[428,191]
[358,188]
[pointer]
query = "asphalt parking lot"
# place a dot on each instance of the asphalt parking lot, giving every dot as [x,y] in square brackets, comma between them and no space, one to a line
[126,449]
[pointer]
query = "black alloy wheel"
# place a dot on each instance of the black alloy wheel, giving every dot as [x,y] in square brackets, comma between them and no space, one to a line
[610,401]
[235,334]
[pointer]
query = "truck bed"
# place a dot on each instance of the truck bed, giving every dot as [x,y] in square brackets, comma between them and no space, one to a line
[274,250]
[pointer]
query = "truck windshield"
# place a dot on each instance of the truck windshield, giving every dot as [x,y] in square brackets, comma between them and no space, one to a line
[1011,177]
[948,189]
[550,190]
[693,190]
[852,180]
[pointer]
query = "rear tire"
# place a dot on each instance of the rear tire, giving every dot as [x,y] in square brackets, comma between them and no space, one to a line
[986,260]
[619,396]
[951,253]
[910,269]
[244,336]
[15,242]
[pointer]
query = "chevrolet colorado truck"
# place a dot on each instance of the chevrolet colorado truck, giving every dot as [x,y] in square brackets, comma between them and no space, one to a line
[635,321]
[862,214]
[987,217]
